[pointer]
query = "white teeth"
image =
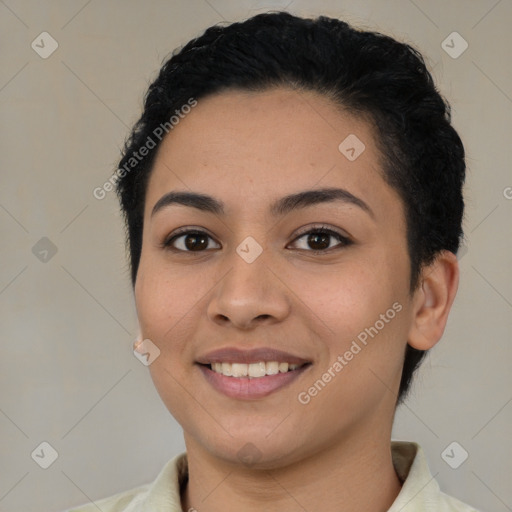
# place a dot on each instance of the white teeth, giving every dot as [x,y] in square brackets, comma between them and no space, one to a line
[272,368]
[257,369]
[252,370]
[226,369]
[283,367]
[238,370]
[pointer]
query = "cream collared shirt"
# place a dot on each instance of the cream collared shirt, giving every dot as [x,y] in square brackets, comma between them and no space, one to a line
[419,493]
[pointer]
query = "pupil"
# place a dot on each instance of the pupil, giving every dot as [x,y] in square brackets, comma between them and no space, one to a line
[194,244]
[321,238]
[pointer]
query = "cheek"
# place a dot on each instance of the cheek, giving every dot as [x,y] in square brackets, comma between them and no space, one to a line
[364,348]
[165,304]
[346,299]
[167,313]
[360,313]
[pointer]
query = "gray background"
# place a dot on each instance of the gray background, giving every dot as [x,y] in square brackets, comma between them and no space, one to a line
[68,375]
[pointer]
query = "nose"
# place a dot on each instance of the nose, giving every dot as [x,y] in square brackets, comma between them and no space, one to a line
[249,294]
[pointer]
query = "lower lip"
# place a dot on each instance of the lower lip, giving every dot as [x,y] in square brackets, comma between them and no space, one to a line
[246,388]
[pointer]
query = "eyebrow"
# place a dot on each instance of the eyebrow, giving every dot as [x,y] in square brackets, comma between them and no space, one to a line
[280,207]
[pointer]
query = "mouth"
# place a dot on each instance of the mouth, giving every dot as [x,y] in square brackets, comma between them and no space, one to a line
[251,374]
[253,370]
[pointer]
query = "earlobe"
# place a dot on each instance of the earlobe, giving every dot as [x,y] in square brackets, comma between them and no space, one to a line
[433,300]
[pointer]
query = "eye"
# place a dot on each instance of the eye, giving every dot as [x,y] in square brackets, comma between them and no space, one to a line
[320,239]
[192,241]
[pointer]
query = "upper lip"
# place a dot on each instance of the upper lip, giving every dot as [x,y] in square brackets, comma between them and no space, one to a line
[237,355]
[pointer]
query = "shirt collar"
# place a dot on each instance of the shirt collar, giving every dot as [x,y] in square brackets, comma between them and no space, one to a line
[420,491]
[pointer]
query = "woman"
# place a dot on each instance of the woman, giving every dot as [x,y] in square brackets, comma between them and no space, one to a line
[293,202]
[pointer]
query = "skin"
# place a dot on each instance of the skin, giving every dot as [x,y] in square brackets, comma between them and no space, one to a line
[248,149]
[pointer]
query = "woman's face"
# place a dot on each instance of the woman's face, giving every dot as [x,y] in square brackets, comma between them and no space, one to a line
[254,287]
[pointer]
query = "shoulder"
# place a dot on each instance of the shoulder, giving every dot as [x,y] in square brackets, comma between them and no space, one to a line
[420,491]
[450,504]
[163,492]
[120,502]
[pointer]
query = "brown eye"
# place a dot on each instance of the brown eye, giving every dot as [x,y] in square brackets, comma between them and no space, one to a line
[189,241]
[319,240]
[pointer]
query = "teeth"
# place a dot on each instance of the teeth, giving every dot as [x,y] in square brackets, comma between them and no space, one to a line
[238,370]
[257,369]
[272,368]
[226,369]
[252,370]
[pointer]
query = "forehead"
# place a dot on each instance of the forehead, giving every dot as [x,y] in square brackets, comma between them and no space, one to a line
[257,146]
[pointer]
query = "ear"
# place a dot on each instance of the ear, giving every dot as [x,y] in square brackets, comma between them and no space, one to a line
[432,301]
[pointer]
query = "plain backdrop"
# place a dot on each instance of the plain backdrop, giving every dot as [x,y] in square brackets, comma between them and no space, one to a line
[68,376]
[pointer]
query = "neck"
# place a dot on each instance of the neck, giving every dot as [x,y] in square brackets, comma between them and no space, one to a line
[354,475]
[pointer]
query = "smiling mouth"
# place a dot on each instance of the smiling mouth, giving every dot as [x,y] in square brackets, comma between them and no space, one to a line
[253,370]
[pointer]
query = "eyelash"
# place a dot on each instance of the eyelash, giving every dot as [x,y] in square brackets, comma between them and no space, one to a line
[344,240]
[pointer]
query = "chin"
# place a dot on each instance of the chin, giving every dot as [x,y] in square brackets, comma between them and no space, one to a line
[254,450]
